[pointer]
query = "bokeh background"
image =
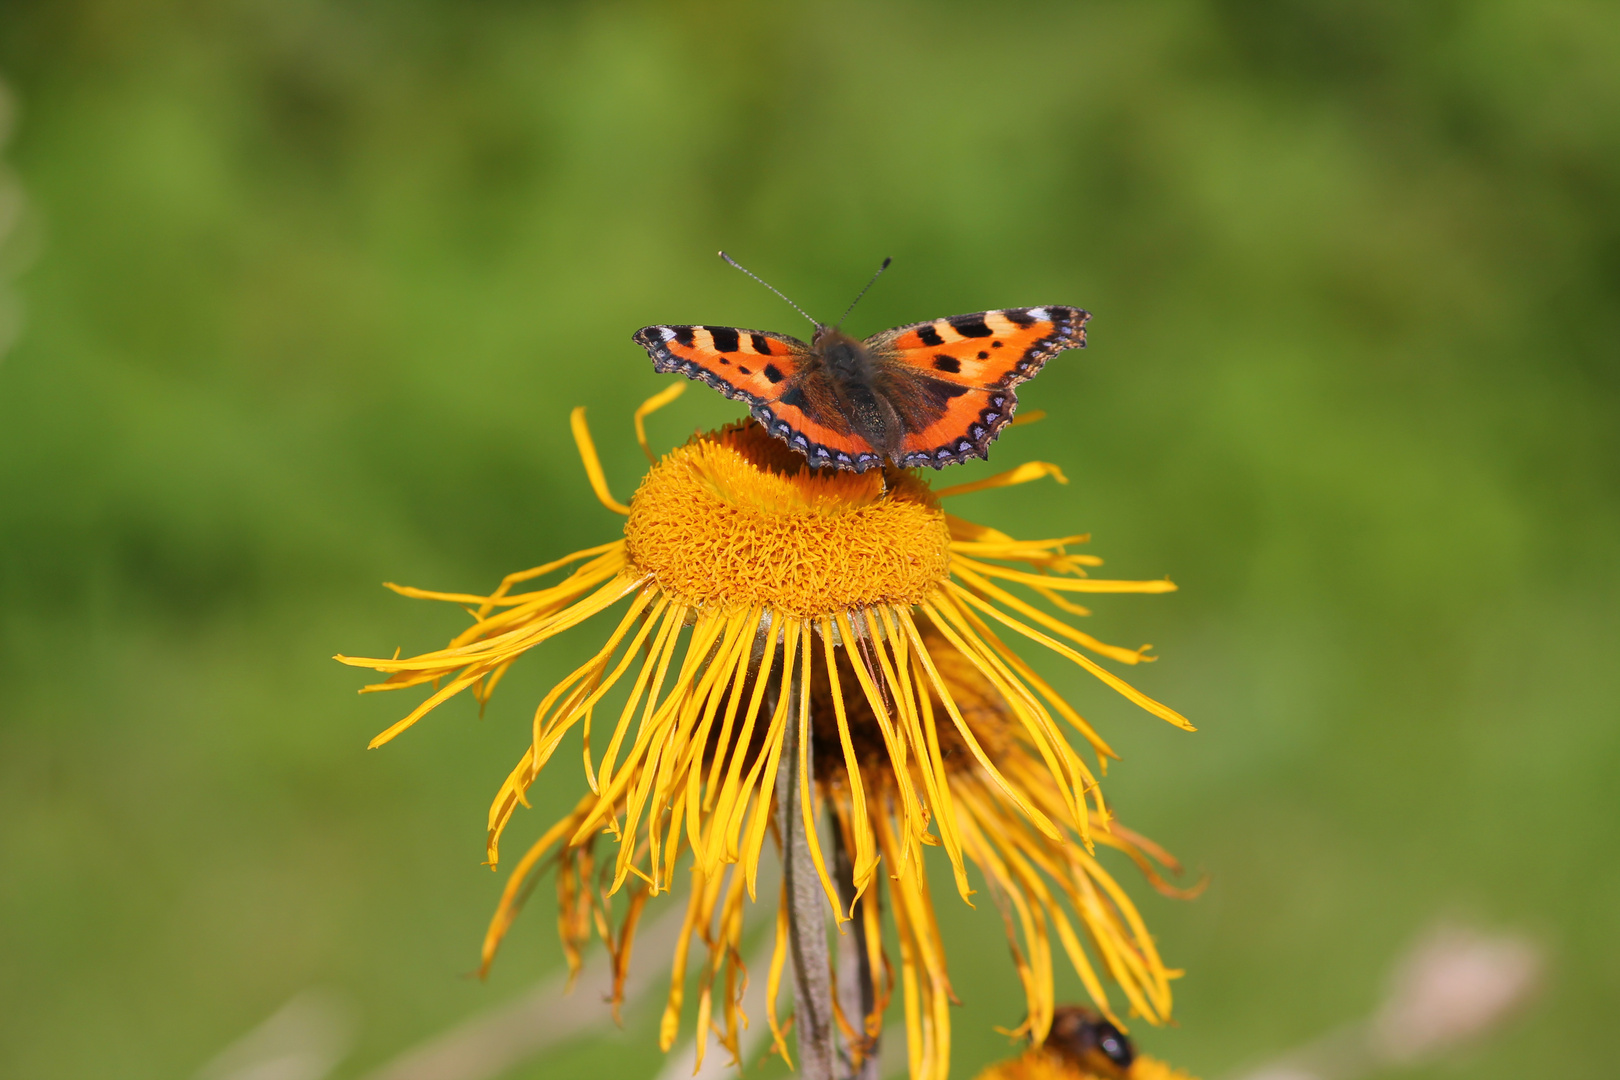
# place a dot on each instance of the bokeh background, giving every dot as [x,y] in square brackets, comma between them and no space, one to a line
[307,290]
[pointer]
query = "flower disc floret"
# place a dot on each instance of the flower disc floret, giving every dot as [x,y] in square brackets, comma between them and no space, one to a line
[730,520]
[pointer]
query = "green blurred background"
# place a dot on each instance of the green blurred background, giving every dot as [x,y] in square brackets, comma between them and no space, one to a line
[311,288]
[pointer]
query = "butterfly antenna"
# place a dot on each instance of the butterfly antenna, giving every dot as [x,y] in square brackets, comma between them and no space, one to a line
[769,286]
[863,292]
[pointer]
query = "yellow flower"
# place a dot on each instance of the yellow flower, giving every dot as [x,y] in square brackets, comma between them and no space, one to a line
[762,592]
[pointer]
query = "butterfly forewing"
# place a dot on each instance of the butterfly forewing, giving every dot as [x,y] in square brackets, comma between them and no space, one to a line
[989,348]
[754,366]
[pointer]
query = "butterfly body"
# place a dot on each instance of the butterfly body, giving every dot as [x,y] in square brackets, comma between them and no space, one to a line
[933,393]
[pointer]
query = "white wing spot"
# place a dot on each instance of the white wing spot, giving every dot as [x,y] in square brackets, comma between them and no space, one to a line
[1039,314]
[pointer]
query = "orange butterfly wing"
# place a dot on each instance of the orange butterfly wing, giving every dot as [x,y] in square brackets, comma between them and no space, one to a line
[952,380]
[753,366]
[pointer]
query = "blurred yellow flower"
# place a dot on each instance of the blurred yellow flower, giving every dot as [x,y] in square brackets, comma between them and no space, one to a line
[1082,1046]
[797,593]
[1042,1064]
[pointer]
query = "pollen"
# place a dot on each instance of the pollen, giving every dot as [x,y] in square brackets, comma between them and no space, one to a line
[735,519]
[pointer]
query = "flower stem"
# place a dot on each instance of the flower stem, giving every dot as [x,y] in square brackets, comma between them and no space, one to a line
[856,990]
[807,909]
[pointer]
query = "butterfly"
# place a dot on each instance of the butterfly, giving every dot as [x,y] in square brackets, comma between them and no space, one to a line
[932,393]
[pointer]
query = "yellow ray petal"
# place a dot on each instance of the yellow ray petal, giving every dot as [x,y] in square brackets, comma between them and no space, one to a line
[517,890]
[989,589]
[764,773]
[1085,585]
[807,793]
[1164,712]
[965,530]
[773,984]
[1041,820]
[593,464]
[1061,761]
[734,793]
[499,596]
[865,847]
[1023,474]
[650,406]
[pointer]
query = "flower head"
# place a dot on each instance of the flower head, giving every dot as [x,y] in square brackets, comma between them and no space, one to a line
[760,593]
[1082,1046]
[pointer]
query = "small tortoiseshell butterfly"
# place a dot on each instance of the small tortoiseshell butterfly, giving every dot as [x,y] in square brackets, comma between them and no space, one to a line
[932,393]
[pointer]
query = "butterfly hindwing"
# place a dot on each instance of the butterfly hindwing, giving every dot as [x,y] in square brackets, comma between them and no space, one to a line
[752,366]
[999,348]
[966,427]
[807,418]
